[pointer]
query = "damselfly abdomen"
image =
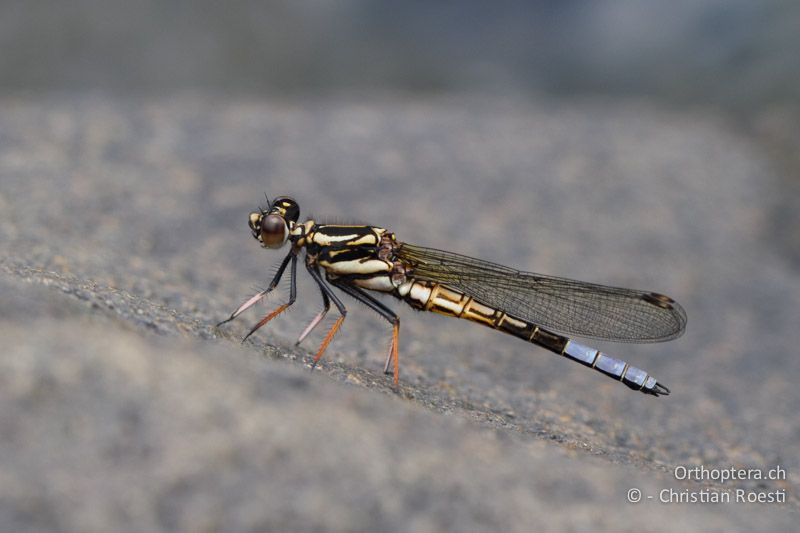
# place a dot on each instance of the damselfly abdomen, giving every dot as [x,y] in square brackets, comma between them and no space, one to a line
[530,306]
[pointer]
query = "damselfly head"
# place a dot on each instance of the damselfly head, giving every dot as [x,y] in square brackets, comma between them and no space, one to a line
[271,228]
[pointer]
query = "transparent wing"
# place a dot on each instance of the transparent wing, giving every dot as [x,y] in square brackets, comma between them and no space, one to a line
[563,305]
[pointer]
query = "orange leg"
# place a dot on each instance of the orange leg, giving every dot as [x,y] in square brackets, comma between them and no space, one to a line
[272,284]
[395,334]
[327,340]
[393,354]
[326,304]
[267,318]
[375,305]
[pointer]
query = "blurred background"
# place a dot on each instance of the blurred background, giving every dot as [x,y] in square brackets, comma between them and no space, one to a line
[633,143]
[734,56]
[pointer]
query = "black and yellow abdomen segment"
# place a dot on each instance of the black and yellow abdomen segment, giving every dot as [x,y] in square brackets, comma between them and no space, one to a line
[445,301]
[449,302]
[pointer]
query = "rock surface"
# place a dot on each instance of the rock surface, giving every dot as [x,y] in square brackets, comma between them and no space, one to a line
[124,239]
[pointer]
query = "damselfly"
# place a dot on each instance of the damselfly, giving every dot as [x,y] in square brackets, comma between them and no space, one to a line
[530,306]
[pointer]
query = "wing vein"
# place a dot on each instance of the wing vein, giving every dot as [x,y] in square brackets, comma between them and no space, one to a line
[563,305]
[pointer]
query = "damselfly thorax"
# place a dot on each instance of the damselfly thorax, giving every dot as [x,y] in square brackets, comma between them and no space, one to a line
[534,307]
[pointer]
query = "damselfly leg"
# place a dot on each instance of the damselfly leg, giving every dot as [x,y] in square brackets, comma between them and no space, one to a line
[314,271]
[326,305]
[386,313]
[250,302]
[274,283]
[283,307]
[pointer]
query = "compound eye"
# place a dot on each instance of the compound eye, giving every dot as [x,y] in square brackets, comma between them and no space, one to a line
[273,231]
